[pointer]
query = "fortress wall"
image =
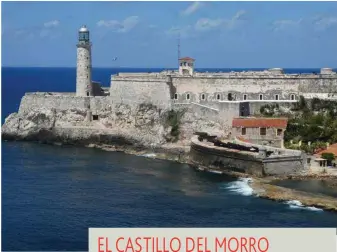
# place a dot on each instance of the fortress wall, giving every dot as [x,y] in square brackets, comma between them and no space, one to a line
[253,87]
[224,158]
[101,104]
[143,74]
[156,91]
[323,85]
[33,101]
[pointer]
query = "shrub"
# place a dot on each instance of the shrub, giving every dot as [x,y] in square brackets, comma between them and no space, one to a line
[173,120]
[328,156]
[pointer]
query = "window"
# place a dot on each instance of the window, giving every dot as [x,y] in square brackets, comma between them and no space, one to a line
[203,97]
[94,117]
[279,132]
[243,131]
[87,93]
[230,97]
[261,97]
[176,96]
[276,97]
[218,96]
[181,64]
[87,76]
[292,97]
[263,131]
[87,58]
[187,96]
[245,97]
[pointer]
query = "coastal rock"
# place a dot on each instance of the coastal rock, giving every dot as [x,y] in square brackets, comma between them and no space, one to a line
[27,126]
[60,119]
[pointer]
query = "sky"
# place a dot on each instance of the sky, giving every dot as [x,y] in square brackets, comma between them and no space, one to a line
[145,34]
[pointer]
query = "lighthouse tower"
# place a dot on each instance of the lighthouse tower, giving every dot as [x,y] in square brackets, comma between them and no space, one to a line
[83,71]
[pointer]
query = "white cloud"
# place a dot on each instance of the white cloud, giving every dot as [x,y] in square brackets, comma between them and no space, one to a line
[236,19]
[322,23]
[204,24]
[286,23]
[120,26]
[192,8]
[50,24]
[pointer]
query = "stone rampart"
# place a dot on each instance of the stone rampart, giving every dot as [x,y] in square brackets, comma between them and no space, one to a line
[138,90]
[281,162]
[205,89]
[38,101]
[223,158]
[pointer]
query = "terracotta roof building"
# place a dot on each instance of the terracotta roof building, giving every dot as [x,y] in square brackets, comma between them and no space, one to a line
[331,149]
[186,66]
[265,131]
[186,59]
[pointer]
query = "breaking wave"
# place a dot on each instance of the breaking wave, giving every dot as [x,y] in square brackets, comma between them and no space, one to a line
[241,186]
[149,155]
[296,204]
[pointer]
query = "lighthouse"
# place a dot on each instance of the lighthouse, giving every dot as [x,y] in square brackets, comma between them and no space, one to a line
[83,70]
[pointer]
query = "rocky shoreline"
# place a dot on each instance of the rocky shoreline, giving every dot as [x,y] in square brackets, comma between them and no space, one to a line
[179,152]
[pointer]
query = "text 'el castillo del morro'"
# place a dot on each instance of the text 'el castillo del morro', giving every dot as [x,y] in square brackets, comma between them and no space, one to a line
[209,119]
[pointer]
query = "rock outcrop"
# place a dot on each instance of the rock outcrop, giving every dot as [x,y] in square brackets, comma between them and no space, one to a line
[142,125]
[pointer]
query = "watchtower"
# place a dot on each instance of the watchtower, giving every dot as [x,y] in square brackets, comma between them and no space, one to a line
[186,66]
[83,70]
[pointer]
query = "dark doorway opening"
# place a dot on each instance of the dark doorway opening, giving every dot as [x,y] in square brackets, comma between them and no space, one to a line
[94,117]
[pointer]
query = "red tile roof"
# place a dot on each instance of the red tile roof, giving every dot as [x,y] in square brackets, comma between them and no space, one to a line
[187,58]
[331,149]
[260,122]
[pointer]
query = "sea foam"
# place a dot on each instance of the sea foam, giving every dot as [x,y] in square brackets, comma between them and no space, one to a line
[149,155]
[296,204]
[241,186]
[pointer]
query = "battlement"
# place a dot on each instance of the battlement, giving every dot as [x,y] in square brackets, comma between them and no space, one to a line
[274,73]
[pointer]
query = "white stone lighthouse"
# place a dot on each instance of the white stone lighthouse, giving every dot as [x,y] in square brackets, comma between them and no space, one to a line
[83,71]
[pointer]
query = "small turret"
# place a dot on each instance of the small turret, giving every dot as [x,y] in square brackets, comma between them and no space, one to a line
[276,70]
[186,66]
[327,71]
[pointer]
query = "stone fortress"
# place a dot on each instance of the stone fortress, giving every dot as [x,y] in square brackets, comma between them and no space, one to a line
[135,104]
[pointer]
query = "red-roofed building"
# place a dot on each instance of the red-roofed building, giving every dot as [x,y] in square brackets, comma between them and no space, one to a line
[186,66]
[187,59]
[331,149]
[266,131]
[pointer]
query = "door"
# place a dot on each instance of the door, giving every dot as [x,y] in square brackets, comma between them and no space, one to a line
[244,109]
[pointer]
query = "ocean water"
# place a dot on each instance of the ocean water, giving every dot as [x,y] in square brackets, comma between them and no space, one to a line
[51,195]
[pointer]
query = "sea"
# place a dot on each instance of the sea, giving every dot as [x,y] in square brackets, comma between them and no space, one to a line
[51,195]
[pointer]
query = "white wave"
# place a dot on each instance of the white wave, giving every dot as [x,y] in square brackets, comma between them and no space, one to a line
[241,186]
[149,155]
[296,204]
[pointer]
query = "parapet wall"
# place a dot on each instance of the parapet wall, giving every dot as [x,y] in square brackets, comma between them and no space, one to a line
[223,158]
[38,101]
[282,162]
[137,90]
[206,89]
[51,101]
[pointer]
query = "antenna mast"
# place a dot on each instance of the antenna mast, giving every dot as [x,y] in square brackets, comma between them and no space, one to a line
[178,47]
